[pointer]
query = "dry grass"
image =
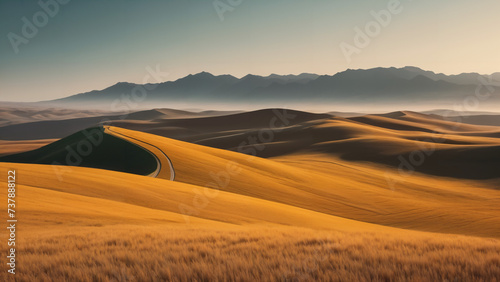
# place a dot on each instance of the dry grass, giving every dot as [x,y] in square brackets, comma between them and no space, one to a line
[252,253]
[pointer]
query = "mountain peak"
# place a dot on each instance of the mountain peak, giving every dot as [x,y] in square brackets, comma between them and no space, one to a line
[123,83]
[121,86]
[413,68]
[202,74]
[250,76]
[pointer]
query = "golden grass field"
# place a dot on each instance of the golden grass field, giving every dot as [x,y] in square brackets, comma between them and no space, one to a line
[252,253]
[306,215]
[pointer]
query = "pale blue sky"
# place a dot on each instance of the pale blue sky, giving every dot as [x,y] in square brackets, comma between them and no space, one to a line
[93,44]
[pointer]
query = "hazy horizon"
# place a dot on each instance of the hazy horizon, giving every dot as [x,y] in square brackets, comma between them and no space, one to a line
[84,46]
[315,106]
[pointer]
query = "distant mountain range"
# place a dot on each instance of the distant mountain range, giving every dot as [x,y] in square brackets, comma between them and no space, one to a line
[408,85]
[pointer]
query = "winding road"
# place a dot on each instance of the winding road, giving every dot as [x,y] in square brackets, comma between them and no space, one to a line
[164,169]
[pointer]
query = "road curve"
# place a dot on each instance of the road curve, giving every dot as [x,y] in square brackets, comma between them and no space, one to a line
[165,168]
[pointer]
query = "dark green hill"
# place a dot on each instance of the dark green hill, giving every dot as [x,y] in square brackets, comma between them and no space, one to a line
[91,148]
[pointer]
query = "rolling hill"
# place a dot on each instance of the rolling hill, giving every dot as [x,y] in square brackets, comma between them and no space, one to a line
[225,208]
[404,140]
[329,199]
[92,147]
[320,182]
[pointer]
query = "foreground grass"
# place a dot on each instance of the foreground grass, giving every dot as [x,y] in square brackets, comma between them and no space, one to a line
[138,253]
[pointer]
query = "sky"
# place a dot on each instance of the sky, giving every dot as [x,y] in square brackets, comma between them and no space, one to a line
[81,46]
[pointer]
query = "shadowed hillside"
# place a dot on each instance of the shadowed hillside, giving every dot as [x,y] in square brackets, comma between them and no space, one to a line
[408,141]
[91,148]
